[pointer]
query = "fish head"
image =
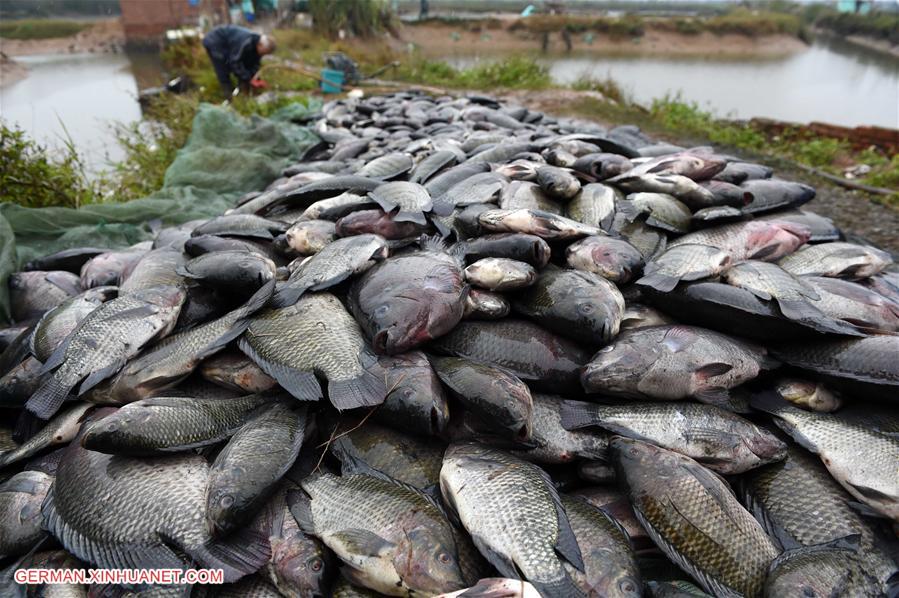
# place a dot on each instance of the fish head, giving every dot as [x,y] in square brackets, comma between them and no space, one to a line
[406,320]
[225,504]
[808,394]
[599,313]
[641,464]
[617,583]
[616,368]
[427,564]
[413,385]
[772,240]
[301,566]
[113,432]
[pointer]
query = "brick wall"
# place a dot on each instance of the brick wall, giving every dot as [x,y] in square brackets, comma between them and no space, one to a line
[146,20]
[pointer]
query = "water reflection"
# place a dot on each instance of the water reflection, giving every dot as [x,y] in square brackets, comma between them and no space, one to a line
[832,81]
[77,97]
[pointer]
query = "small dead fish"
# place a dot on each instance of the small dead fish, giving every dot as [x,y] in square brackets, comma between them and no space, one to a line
[387,167]
[661,210]
[233,370]
[380,223]
[107,268]
[558,182]
[31,294]
[837,260]
[514,246]
[543,224]
[20,511]
[235,270]
[241,225]
[602,166]
[500,274]
[416,400]
[55,325]
[807,394]
[485,305]
[681,187]
[613,259]
[411,201]
[683,262]
[594,205]
[310,236]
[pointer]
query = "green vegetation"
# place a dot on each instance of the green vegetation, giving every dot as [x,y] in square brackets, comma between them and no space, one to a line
[40,28]
[515,72]
[30,175]
[607,86]
[362,18]
[879,25]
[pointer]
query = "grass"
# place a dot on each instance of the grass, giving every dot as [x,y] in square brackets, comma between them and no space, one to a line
[607,86]
[515,72]
[40,28]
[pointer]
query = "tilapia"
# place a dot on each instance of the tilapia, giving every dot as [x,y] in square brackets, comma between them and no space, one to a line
[241,225]
[103,342]
[379,222]
[488,490]
[393,537]
[500,274]
[409,299]
[415,398]
[693,517]
[854,304]
[107,268]
[863,461]
[60,430]
[490,392]
[235,371]
[594,205]
[613,259]
[720,440]
[20,511]
[536,222]
[514,246]
[231,270]
[558,182]
[752,240]
[660,209]
[409,201]
[683,262]
[673,362]
[155,268]
[576,304]
[161,425]
[246,472]
[838,260]
[331,345]
[55,325]
[31,294]
[826,570]
[679,186]
[332,265]
[485,305]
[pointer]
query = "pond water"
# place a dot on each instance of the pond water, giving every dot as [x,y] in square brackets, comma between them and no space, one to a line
[78,97]
[832,81]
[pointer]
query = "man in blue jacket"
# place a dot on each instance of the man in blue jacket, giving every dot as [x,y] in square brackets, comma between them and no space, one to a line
[236,51]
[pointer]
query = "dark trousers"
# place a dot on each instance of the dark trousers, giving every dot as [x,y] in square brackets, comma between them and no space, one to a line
[222,73]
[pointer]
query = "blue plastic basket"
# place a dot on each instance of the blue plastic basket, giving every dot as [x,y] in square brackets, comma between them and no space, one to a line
[332,81]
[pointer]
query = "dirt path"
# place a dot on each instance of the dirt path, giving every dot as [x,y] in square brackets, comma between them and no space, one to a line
[438,39]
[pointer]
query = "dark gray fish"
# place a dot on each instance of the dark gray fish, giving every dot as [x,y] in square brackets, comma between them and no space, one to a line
[694,518]
[31,294]
[122,512]
[579,305]
[525,195]
[441,183]
[415,400]
[18,384]
[661,210]
[170,424]
[515,246]
[522,347]
[775,194]
[246,472]
[333,208]
[738,172]
[55,325]
[107,268]
[234,270]
[485,305]
[332,265]
[70,260]
[197,246]
[387,167]
[831,569]
[103,342]
[316,336]
[489,392]
[602,166]
[483,187]
[154,269]
[409,299]
[594,205]
[432,164]
[683,262]
[727,195]
[558,182]
[820,227]
[838,260]
[20,511]
[241,225]
[410,201]
[381,223]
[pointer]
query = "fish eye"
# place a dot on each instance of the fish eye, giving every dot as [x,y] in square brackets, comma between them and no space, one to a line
[627,586]
[444,558]
[316,564]
[586,308]
[226,501]
[607,349]
[408,392]
[382,310]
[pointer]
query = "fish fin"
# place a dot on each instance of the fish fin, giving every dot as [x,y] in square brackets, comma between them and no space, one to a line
[566,542]
[286,295]
[366,390]
[710,370]
[26,426]
[300,506]
[362,542]
[95,378]
[258,300]
[57,357]
[562,587]
[441,206]
[678,338]
[333,281]
[769,402]
[775,531]
[801,311]
[184,273]
[442,229]
[579,414]
[658,281]
[628,210]
[302,385]
[486,588]
[433,243]
[764,252]
[500,562]
[863,509]
[242,553]
[49,397]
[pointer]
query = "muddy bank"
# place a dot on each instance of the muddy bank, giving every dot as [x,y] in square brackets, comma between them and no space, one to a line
[101,37]
[10,70]
[438,39]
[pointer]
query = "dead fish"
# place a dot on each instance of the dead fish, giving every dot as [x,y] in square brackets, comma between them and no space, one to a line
[31,294]
[310,236]
[500,274]
[683,262]
[411,201]
[485,305]
[838,260]
[107,268]
[558,182]
[514,246]
[235,371]
[380,223]
[542,224]
[594,205]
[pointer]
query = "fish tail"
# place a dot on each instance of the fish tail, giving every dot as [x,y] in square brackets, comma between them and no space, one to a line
[578,414]
[285,295]
[259,299]
[660,282]
[241,553]
[769,402]
[49,397]
[366,390]
[562,587]
[799,310]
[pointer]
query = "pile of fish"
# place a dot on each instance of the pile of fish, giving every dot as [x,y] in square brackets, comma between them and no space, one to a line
[463,344]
